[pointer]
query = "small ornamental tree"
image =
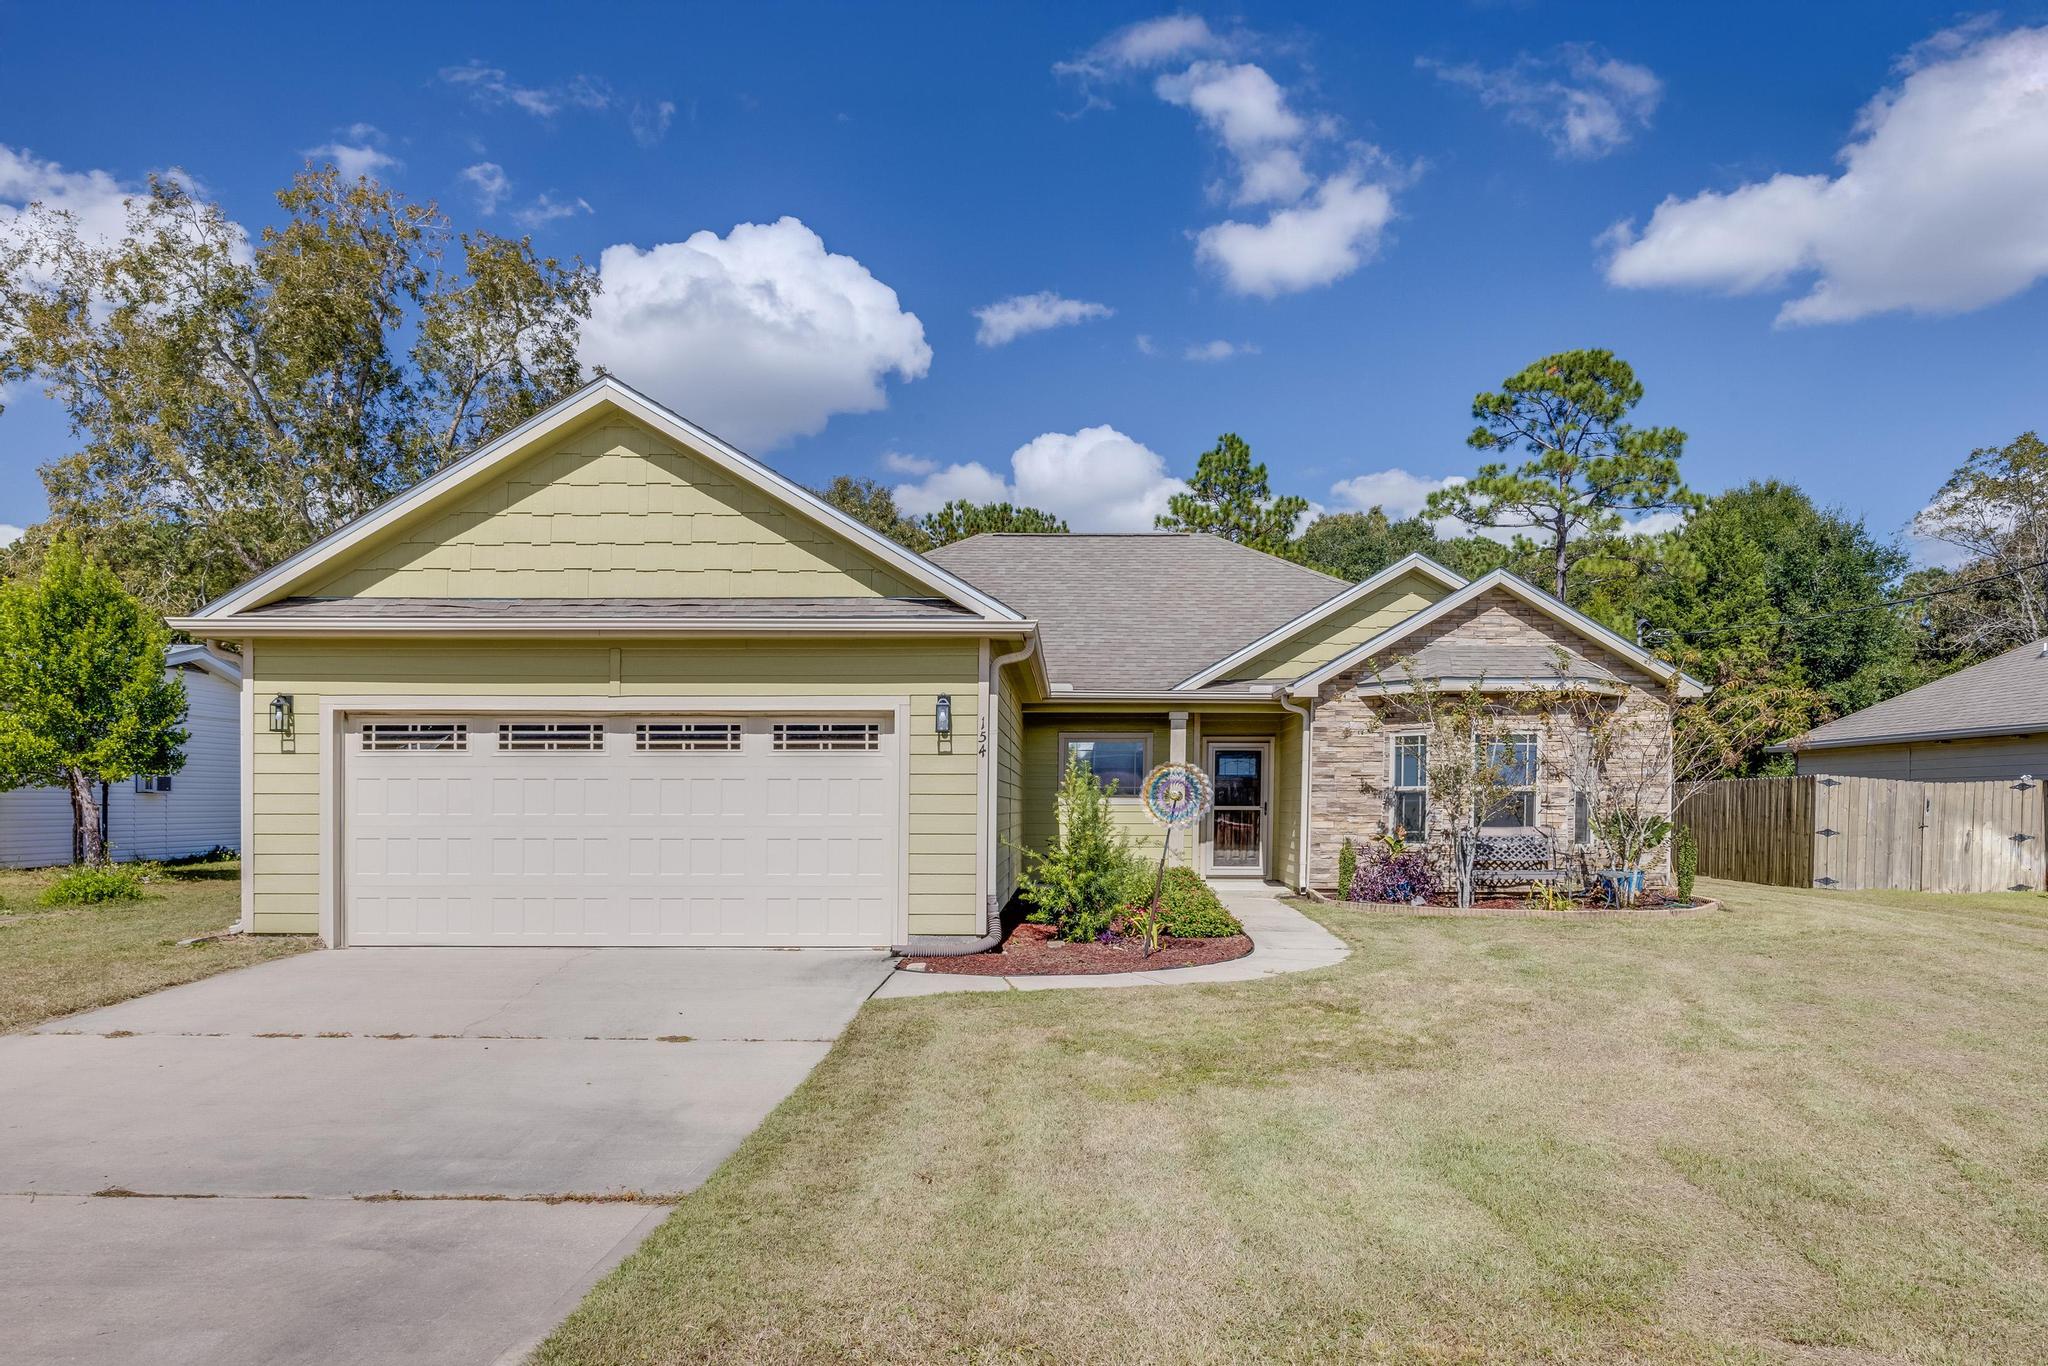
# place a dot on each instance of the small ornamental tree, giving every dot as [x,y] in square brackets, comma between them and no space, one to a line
[1077,885]
[83,697]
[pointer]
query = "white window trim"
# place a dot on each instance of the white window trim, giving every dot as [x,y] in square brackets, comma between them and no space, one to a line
[1534,787]
[1394,788]
[1143,737]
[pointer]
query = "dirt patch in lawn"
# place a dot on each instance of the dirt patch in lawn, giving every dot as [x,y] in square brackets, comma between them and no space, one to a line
[1031,951]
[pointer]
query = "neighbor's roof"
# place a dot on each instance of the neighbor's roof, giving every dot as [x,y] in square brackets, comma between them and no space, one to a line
[2005,695]
[1139,611]
[609,609]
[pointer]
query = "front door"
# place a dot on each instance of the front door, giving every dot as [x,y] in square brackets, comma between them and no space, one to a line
[1237,828]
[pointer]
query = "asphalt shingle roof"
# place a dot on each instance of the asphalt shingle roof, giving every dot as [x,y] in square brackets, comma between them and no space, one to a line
[1137,612]
[2006,694]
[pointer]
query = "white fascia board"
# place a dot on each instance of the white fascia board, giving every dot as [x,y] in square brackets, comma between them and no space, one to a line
[606,389]
[614,627]
[199,657]
[1308,684]
[1413,563]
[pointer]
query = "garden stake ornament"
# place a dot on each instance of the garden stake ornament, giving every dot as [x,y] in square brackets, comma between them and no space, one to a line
[1175,795]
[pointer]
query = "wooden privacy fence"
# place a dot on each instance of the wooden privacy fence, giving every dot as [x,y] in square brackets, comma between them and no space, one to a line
[1851,833]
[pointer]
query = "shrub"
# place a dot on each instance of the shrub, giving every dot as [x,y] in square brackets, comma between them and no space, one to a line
[1347,865]
[1395,877]
[1685,860]
[88,884]
[1188,906]
[1078,885]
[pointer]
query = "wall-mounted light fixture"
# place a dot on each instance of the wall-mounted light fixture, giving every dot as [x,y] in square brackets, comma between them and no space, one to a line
[281,714]
[942,715]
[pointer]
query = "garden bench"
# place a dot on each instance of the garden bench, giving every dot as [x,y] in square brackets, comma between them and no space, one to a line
[1513,857]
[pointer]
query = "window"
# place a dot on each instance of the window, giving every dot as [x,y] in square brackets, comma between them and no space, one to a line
[1582,817]
[718,736]
[1516,755]
[828,736]
[551,736]
[152,782]
[415,735]
[1120,759]
[1411,785]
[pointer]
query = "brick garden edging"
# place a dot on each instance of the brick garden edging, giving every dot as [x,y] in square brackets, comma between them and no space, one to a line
[1703,904]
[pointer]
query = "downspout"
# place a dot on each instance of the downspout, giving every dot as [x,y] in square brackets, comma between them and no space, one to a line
[991,913]
[1307,715]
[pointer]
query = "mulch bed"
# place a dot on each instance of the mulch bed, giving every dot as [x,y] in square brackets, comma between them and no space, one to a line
[1031,951]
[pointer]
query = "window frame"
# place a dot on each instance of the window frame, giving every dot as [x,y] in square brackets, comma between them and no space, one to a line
[1396,790]
[153,784]
[782,737]
[1533,787]
[689,735]
[1069,738]
[414,737]
[555,735]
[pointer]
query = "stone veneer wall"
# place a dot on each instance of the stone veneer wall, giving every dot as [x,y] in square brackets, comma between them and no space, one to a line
[1350,745]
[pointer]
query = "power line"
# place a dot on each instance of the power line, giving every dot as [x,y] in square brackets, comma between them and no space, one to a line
[1669,633]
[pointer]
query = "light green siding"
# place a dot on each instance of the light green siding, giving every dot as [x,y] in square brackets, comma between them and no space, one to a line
[283,859]
[1009,785]
[1042,772]
[609,510]
[1354,625]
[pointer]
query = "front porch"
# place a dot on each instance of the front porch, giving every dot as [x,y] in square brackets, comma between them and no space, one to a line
[1253,750]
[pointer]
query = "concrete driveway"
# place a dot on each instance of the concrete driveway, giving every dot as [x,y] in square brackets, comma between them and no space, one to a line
[183,1178]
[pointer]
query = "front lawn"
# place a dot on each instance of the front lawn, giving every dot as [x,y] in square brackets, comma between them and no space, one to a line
[55,960]
[1813,1127]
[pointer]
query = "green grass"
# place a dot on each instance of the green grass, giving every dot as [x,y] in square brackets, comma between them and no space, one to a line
[55,960]
[1813,1127]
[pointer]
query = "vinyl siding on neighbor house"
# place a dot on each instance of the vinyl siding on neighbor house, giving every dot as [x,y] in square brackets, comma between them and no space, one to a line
[1935,761]
[1352,626]
[943,831]
[201,812]
[610,510]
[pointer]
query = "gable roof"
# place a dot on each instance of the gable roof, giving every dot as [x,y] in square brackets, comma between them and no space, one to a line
[1286,630]
[1500,580]
[199,657]
[2005,695]
[601,392]
[1133,612]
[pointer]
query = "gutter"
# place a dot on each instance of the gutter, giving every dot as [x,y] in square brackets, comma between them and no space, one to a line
[243,628]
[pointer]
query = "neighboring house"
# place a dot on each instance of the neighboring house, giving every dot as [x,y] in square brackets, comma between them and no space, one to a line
[1989,721]
[608,680]
[194,810]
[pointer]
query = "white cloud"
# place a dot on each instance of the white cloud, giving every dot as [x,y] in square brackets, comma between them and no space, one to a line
[1655,523]
[491,87]
[1396,491]
[1247,111]
[896,462]
[546,209]
[760,335]
[649,120]
[490,182]
[1146,346]
[1588,104]
[1941,205]
[1329,203]
[1006,320]
[10,533]
[1148,43]
[1219,350]
[1097,479]
[1310,244]
[96,199]
[357,151]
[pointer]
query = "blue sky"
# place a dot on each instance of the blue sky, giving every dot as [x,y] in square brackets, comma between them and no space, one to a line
[1322,229]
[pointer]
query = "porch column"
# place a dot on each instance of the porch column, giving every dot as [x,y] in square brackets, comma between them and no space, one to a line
[1177,737]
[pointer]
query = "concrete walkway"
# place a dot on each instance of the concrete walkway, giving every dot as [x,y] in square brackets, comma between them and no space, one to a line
[1283,940]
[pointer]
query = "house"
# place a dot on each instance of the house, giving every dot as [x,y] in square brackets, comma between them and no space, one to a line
[159,816]
[608,680]
[1989,721]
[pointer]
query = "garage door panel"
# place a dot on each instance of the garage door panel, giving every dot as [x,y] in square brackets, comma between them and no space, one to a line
[644,831]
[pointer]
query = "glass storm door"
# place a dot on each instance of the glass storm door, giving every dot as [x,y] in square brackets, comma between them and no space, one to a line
[1237,833]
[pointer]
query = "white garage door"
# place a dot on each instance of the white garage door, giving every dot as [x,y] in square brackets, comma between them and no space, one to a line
[653,829]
